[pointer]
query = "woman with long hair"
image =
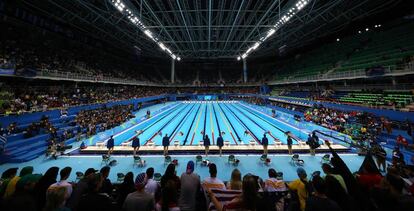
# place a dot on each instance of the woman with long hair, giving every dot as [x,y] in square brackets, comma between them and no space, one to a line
[169,197]
[170,174]
[126,188]
[235,182]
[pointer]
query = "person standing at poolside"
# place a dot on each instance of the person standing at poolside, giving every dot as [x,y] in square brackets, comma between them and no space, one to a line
[110,145]
[220,143]
[135,144]
[165,144]
[265,143]
[289,144]
[206,144]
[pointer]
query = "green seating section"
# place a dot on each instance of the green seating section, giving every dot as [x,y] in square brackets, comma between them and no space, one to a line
[374,48]
[401,99]
[317,61]
[387,49]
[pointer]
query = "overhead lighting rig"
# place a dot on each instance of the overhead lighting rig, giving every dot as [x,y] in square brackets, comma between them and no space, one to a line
[122,8]
[299,5]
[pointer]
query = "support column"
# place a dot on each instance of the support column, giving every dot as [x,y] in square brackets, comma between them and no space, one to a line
[244,70]
[172,70]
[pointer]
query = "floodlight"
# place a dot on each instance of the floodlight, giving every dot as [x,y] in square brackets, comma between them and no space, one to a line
[256,45]
[148,33]
[129,13]
[178,59]
[162,46]
[238,58]
[270,32]
[300,4]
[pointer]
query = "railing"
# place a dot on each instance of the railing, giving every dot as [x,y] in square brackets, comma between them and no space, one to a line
[60,75]
[55,74]
[350,74]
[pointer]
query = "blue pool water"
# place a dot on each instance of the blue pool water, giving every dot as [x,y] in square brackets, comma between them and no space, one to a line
[187,122]
[248,164]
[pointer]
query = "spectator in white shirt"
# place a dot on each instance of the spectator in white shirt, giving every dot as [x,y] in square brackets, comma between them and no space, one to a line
[273,184]
[212,181]
[64,175]
[190,185]
[152,186]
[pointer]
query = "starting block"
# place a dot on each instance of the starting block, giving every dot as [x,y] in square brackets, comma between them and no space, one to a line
[176,143]
[302,143]
[226,143]
[100,144]
[278,143]
[252,143]
[151,144]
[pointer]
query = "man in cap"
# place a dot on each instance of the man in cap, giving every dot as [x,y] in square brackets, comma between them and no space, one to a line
[190,184]
[139,200]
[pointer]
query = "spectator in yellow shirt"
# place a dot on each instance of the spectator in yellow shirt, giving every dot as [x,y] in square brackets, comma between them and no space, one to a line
[11,187]
[300,186]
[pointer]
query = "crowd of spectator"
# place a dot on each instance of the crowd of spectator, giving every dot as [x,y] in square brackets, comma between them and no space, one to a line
[361,126]
[85,124]
[338,189]
[25,98]
[104,118]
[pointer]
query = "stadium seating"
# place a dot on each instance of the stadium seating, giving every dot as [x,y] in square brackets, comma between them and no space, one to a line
[401,99]
[374,48]
[383,49]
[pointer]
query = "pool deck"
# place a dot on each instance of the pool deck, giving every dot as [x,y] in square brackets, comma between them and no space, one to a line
[241,148]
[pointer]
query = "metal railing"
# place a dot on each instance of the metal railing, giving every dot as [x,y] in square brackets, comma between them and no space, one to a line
[60,75]
[350,74]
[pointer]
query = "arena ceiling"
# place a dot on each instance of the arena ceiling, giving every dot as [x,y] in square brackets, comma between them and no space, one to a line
[208,29]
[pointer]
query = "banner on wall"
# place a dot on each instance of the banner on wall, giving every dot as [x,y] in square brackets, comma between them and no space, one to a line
[7,68]
[6,71]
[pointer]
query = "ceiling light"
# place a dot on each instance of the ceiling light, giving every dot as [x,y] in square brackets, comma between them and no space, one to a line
[178,59]
[162,46]
[256,45]
[238,58]
[129,13]
[300,4]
